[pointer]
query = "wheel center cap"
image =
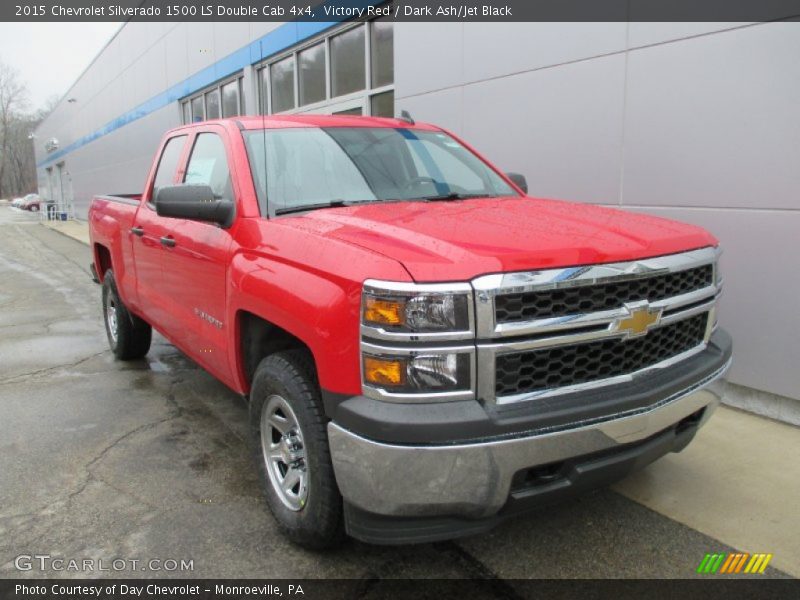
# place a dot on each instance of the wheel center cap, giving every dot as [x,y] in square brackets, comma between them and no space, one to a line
[288,452]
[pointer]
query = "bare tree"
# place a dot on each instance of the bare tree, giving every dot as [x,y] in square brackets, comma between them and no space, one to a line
[14,143]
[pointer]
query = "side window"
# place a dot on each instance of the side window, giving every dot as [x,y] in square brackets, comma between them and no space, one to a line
[208,165]
[168,163]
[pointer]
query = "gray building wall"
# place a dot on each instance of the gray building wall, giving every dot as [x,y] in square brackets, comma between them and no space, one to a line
[696,122]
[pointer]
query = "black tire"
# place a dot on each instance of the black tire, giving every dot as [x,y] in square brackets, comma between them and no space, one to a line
[133,335]
[317,523]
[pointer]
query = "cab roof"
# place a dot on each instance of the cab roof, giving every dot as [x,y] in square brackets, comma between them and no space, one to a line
[287,121]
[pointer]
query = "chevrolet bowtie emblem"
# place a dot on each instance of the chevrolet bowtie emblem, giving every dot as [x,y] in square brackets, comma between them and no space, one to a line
[641,318]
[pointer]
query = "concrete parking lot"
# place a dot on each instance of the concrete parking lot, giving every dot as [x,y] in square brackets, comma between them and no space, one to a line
[149,460]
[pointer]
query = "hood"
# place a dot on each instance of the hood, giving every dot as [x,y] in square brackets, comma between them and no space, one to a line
[459,240]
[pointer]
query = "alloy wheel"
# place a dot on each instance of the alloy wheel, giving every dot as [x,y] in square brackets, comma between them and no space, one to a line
[284,452]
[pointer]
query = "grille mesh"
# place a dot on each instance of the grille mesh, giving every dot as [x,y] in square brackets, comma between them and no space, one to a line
[526,306]
[547,368]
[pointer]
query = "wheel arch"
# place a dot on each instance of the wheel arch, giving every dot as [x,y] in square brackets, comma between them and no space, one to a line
[102,260]
[258,338]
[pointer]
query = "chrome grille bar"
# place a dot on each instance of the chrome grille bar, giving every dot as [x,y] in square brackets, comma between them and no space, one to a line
[488,287]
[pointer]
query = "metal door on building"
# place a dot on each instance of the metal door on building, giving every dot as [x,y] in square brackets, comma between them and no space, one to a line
[61,190]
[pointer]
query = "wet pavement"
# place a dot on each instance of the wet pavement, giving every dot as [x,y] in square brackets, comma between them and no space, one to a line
[147,460]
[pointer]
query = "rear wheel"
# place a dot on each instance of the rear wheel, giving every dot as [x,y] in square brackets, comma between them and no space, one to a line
[290,445]
[128,336]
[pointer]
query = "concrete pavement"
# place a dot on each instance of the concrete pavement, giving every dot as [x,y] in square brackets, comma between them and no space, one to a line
[737,482]
[77,230]
[149,460]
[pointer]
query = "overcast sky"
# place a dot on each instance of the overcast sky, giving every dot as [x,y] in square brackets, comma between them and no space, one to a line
[51,56]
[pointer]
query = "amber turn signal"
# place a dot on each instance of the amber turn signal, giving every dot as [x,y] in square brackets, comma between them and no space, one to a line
[381,371]
[384,312]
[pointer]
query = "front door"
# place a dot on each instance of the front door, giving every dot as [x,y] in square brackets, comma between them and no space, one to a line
[149,235]
[196,263]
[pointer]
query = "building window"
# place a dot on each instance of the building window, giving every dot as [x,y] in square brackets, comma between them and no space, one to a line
[348,71]
[282,76]
[311,70]
[231,107]
[198,110]
[348,68]
[212,104]
[382,53]
[382,105]
[223,99]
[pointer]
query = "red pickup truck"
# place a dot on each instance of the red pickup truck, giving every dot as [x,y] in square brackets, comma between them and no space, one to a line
[426,349]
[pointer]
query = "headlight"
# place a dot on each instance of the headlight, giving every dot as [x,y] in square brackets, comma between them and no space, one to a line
[420,373]
[409,308]
[417,341]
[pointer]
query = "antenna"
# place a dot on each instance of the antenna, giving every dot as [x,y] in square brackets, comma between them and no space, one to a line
[264,104]
[406,116]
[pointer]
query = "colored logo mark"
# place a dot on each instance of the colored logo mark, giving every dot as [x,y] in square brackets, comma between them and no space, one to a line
[734,562]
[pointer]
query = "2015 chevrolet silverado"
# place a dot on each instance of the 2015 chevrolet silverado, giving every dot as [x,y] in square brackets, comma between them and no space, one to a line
[426,349]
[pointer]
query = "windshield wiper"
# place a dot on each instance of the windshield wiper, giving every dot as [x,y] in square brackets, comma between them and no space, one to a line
[454,196]
[332,204]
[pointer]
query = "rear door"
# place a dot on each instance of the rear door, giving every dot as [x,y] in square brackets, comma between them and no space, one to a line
[150,234]
[196,264]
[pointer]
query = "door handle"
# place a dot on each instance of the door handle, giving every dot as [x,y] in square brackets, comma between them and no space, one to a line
[137,231]
[168,241]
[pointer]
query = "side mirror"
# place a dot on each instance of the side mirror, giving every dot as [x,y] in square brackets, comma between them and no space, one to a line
[194,202]
[519,180]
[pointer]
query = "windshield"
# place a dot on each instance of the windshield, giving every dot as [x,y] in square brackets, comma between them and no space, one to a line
[298,169]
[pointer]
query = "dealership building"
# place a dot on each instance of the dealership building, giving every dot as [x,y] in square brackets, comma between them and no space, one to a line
[691,121]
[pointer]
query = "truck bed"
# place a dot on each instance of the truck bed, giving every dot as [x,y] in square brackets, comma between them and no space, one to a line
[110,220]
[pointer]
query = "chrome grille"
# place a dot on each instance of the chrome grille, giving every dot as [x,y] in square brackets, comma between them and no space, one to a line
[550,332]
[561,366]
[605,296]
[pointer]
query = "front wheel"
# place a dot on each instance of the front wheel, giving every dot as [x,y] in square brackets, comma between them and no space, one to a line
[128,336]
[290,444]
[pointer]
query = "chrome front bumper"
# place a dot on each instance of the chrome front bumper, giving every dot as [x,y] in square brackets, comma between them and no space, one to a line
[474,480]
